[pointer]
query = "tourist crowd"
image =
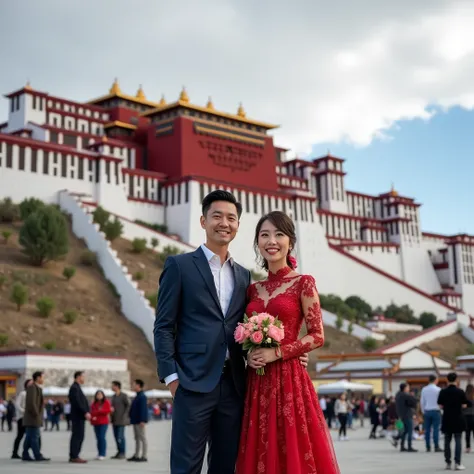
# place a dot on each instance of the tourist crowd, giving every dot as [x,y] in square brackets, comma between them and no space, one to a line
[408,416]
[32,414]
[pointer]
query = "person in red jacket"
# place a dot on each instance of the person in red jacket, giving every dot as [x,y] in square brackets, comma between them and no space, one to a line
[100,411]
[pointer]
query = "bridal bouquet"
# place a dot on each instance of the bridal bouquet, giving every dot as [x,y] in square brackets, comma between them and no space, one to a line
[260,330]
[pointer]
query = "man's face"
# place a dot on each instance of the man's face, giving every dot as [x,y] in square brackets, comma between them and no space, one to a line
[114,388]
[407,389]
[221,223]
[81,379]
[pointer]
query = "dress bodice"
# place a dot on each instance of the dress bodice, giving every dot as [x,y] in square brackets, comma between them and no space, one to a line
[292,299]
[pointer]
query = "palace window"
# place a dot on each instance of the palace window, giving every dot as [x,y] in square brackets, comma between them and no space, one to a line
[21,163]
[34,160]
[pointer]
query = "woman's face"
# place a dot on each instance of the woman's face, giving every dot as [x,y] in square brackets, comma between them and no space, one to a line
[273,244]
[100,396]
[343,397]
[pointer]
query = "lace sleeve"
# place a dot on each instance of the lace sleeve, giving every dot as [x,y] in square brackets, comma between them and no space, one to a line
[314,322]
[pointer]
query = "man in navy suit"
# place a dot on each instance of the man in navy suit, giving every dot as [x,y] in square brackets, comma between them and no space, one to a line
[202,297]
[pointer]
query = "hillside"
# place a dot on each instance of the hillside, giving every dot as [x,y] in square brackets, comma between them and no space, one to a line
[450,347]
[100,326]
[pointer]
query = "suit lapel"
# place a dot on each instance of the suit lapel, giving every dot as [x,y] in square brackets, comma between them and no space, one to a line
[204,269]
[235,295]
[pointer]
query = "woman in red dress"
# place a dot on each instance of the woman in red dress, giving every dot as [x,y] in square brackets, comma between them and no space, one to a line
[283,428]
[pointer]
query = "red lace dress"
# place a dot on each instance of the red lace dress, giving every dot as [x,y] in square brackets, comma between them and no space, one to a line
[283,428]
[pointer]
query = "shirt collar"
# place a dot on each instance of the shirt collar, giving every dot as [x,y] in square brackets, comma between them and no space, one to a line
[210,255]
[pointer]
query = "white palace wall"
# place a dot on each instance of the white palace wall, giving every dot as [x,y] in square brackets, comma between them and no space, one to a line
[386,258]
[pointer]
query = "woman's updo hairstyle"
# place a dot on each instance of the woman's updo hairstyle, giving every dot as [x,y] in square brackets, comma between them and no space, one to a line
[284,224]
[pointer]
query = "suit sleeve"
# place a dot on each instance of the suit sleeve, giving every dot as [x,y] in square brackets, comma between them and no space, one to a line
[313,319]
[30,401]
[167,310]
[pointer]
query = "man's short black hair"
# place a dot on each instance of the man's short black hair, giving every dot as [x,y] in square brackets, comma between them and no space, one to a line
[78,374]
[452,376]
[432,378]
[403,386]
[140,383]
[37,375]
[220,195]
[117,383]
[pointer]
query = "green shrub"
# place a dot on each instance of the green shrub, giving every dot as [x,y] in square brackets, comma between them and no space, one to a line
[327,344]
[3,279]
[28,206]
[138,245]
[167,251]
[162,228]
[470,349]
[428,320]
[70,316]
[138,276]
[3,339]
[6,234]
[153,299]
[101,216]
[45,306]
[154,242]
[69,272]
[113,289]
[49,345]
[350,328]
[44,235]
[257,276]
[339,322]
[9,212]
[113,230]
[88,258]
[19,295]
[369,344]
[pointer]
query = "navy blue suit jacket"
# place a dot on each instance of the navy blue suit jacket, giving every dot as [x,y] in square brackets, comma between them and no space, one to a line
[191,333]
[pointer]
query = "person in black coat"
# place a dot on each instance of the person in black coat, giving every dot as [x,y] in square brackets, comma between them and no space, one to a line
[452,400]
[79,413]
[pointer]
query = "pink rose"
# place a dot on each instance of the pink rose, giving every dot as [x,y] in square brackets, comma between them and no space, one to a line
[275,333]
[257,337]
[254,319]
[239,334]
[263,316]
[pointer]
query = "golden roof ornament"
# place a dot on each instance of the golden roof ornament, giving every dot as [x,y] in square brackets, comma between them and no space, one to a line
[28,86]
[115,89]
[162,102]
[393,192]
[140,94]
[241,111]
[209,104]
[183,97]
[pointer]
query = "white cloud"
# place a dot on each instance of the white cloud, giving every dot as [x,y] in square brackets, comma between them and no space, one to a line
[324,71]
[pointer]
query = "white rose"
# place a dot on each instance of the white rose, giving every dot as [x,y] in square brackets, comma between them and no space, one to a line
[265,329]
[269,340]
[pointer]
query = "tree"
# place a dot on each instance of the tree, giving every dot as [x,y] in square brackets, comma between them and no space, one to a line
[44,235]
[113,230]
[350,328]
[19,295]
[401,314]
[6,234]
[361,307]
[339,322]
[369,344]
[138,245]
[335,304]
[154,242]
[28,206]
[9,212]
[101,216]
[45,306]
[69,272]
[428,320]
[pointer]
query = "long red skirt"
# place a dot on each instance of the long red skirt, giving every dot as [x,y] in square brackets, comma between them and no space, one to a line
[283,429]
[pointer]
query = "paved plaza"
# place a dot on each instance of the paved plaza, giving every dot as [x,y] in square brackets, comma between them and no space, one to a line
[356,456]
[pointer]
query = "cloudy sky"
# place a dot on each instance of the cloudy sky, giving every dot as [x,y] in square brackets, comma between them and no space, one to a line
[387,84]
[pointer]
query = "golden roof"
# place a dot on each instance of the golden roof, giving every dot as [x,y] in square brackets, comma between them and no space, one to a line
[184,97]
[140,94]
[118,123]
[209,104]
[184,102]
[116,92]
[162,101]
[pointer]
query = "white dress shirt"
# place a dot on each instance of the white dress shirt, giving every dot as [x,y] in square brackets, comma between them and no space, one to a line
[429,398]
[224,281]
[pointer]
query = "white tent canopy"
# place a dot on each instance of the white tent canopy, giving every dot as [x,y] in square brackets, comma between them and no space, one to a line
[158,394]
[88,391]
[343,386]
